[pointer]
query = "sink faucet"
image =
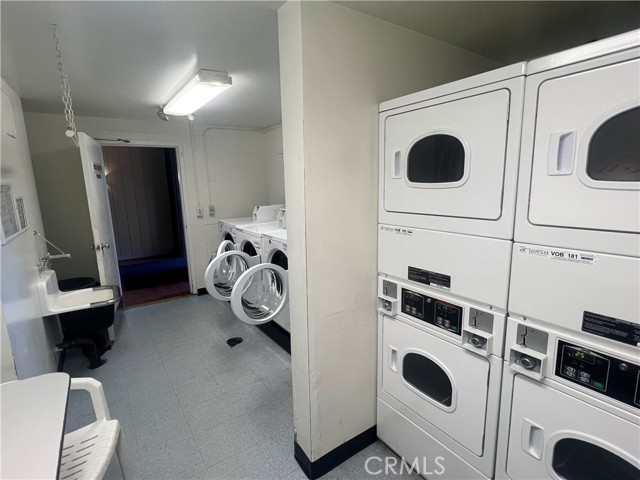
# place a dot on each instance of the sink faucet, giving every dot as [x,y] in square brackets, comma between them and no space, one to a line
[45,261]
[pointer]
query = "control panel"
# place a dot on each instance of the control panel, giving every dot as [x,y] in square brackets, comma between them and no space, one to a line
[439,313]
[603,373]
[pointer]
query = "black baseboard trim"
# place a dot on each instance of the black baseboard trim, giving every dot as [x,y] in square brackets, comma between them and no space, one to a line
[278,334]
[202,291]
[336,456]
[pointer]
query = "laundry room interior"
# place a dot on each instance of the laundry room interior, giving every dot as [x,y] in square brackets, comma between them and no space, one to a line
[320,239]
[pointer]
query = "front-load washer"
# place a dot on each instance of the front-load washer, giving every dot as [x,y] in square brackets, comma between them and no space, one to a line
[569,408]
[249,237]
[225,269]
[579,182]
[260,294]
[449,155]
[261,214]
[466,267]
[439,372]
[596,294]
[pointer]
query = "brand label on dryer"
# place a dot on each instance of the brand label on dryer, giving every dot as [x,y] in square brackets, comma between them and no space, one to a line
[397,230]
[611,328]
[559,254]
[432,279]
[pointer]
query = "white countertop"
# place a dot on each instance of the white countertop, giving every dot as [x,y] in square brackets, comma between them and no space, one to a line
[32,415]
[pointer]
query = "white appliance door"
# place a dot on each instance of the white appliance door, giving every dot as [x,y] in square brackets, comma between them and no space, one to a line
[99,210]
[443,383]
[260,294]
[448,159]
[586,158]
[224,270]
[225,246]
[553,435]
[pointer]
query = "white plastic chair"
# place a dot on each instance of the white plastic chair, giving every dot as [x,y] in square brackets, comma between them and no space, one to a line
[86,452]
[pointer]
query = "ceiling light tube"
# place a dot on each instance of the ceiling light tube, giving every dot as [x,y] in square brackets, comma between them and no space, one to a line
[200,90]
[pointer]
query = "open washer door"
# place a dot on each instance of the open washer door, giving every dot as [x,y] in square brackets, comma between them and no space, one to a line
[224,271]
[260,294]
[225,246]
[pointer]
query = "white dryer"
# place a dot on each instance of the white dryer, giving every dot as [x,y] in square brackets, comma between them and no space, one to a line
[579,181]
[570,408]
[439,372]
[449,155]
[260,295]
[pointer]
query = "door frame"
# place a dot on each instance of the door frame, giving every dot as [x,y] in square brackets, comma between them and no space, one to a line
[177,146]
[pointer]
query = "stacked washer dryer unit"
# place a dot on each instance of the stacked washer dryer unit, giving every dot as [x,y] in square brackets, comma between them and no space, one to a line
[571,386]
[448,175]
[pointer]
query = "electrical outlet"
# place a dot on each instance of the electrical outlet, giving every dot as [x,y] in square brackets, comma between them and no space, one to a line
[212,211]
[199,213]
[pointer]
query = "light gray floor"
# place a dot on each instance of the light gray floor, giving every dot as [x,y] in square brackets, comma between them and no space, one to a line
[190,406]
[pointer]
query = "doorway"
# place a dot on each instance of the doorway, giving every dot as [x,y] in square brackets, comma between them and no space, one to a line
[146,212]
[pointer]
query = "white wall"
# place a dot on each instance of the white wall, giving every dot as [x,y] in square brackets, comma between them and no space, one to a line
[237,174]
[275,165]
[336,66]
[32,337]
[232,177]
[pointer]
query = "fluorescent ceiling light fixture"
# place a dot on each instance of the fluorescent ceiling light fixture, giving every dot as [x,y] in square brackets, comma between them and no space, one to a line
[200,90]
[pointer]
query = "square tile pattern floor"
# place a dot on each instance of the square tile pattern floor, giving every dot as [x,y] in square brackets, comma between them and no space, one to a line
[190,406]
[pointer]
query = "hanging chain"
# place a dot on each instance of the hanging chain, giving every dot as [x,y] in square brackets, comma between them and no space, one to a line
[66,91]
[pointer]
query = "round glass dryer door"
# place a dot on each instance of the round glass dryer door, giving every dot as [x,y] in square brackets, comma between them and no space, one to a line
[224,270]
[260,294]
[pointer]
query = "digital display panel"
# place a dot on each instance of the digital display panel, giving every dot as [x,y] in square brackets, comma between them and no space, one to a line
[583,356]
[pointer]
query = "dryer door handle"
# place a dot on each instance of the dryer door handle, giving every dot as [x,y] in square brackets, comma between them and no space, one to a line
[532,438]
[561,151]
[393,358]
[396,168]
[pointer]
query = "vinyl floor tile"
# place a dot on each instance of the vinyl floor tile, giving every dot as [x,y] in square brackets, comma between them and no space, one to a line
[190,406]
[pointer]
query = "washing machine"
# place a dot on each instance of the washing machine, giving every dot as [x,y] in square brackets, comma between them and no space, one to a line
[579,181]
[595,294]
[260,295]
[470,268]
[449,155]
[261,214]
[249,237]
[439,373]
[570,407]
[225,269]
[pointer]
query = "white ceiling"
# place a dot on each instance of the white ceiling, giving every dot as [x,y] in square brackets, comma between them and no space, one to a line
[123,59]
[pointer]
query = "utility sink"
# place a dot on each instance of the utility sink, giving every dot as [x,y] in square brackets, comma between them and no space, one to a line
[54,302]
